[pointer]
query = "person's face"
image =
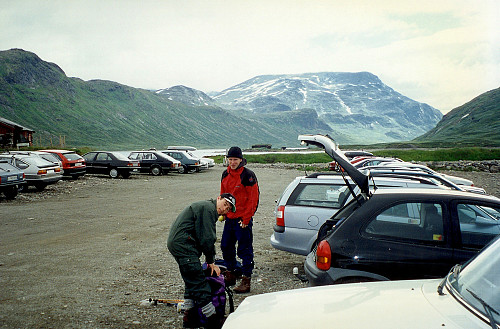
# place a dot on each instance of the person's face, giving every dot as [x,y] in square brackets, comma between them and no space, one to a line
[223,206]
[234,162]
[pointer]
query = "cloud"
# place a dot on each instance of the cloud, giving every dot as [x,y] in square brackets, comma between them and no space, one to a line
[443,53]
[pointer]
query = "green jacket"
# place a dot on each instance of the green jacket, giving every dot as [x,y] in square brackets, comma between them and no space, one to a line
[194,231]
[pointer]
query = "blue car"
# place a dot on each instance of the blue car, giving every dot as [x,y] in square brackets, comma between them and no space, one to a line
[10,179]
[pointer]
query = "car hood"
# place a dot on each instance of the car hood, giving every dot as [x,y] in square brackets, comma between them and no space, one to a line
[388,304]
[326,142]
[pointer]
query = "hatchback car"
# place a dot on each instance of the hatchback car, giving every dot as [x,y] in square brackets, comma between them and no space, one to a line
[72,163]
[467,297]
[188,161]
[398,233]
[10,179]
[155,163]
[38,171]
[109,163]
[308,201]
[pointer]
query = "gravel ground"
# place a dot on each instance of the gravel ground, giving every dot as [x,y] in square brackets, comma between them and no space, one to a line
[84,253]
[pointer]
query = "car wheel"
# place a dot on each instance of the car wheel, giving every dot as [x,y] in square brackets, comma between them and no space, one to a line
[10,193]
[113,173]
[125,174]
[40,187]
[156,171]
[182,170]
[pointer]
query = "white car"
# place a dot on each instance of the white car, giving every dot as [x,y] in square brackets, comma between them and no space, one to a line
[468,297]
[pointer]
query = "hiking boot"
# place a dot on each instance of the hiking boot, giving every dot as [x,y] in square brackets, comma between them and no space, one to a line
[229,278]
[244,285]
[191,318]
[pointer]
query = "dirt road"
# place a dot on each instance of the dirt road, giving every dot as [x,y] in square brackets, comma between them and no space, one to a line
[84,253]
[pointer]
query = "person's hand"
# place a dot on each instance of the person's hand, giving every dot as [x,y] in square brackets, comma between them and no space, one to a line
[242,225]
[214,268]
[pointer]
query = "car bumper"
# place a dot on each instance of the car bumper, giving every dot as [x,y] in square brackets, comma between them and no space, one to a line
[75,171]
[319,277]
[279,241]
[43,180]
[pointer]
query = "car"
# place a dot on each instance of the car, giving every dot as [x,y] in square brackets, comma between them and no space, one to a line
[207,163]
[392,234]
[72,163]
[308,201]
[188,161]
[375,161]
[452,181]
[416,166]
[110,163]
[38,172]
[49,157]
[353,156]
[467,297]
[11,178]
[155,163]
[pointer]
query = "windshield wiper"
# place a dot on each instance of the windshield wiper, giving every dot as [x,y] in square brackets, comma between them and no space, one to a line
[455,270]
[487,308]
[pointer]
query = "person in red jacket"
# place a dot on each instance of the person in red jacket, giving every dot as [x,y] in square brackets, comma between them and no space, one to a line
[242,183]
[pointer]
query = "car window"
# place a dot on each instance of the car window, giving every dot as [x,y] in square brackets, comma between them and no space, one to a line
[72,156]
[89,156]
[21,164]
[414,221]
[134,156]
[320,195]
[478,224]
[103,157]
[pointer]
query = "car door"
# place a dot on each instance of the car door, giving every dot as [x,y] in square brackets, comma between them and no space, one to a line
[90,162]
[476,224]
[407,240]
[102,163]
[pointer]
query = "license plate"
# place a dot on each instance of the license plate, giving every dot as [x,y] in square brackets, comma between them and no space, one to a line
[11,178]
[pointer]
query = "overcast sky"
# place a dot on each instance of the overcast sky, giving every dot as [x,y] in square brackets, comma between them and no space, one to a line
[440,52]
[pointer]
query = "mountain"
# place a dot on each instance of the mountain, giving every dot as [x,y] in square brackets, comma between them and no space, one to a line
[358,107]
[476,123]
[106,114]
[188,96]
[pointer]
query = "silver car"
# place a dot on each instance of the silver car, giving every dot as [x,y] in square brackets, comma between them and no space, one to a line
[38,171]
[309,201]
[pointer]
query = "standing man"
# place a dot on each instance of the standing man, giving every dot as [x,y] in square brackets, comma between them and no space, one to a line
[242,183]
[191,235]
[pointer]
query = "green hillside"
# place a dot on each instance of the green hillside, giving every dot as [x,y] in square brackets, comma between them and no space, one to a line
[105,114]
[476,123]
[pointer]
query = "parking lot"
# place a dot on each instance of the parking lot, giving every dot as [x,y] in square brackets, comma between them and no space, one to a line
[84,253]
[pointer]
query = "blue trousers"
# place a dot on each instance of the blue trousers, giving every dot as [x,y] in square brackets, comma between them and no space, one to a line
[232,234]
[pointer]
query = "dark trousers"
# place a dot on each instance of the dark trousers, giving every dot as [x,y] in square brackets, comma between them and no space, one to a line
[232,234]
[196,285]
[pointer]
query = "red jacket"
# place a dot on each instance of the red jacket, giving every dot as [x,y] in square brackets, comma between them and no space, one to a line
[242,183]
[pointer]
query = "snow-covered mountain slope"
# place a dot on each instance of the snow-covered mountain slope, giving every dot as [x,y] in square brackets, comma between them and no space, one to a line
[356,104]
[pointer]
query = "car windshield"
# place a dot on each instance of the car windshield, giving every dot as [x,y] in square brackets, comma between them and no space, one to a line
[72,156]
[478,283]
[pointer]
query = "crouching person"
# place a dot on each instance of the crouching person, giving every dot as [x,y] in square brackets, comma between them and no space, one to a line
[191,235]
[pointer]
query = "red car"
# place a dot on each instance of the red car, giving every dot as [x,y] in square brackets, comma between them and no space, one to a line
[73,164]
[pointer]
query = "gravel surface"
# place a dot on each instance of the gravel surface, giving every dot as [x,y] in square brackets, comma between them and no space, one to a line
[84,253]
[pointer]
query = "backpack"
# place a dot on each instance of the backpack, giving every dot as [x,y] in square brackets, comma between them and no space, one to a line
[219,299]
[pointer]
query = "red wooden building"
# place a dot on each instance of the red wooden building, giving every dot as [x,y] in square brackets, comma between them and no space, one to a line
[13,135]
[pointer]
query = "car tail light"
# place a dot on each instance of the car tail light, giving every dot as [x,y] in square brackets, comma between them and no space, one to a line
[58,169]
[280,216]
[42,172]
[323,256]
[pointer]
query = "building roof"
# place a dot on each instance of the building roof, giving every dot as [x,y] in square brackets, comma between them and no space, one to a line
[14,125]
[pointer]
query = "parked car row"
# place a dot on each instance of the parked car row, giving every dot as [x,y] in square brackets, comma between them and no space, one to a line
[44,167]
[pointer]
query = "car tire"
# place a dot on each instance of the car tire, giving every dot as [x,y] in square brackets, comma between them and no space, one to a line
[156,171]
[40,187]
[113,173]
[10,193]
[126,174]
[183,170]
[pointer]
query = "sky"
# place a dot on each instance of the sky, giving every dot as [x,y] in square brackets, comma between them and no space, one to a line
[440,52]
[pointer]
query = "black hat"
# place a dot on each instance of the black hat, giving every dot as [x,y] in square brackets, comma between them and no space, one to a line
[231,199]
[235,152]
